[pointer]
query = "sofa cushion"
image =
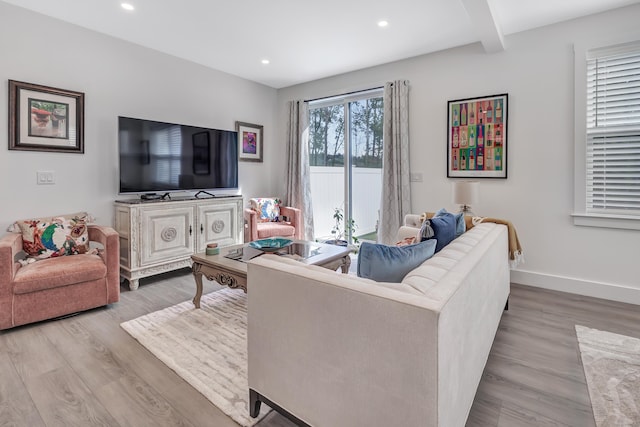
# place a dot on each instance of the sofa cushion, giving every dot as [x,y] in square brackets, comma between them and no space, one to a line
[275,229]
[384,263]
[444,229]
[48,237]
[268,208]
[461,225]
[56,272]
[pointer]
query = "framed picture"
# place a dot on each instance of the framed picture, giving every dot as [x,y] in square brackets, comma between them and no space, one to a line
[43,118]
[477,137]
[249,142]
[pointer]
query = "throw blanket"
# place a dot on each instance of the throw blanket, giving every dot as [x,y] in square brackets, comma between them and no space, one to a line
[515,250]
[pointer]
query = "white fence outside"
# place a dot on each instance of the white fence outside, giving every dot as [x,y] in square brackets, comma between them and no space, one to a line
[327,191]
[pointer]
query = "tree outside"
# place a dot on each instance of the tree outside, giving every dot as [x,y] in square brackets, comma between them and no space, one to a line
[326,142]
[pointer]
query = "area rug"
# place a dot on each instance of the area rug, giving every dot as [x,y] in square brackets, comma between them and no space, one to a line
[206,347]
[612,368]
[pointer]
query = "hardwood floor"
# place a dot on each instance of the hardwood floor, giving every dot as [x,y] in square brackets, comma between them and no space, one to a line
[85,370]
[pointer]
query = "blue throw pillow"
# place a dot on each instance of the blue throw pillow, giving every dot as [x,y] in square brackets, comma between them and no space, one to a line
[384,263]
[461,226]
[444,229]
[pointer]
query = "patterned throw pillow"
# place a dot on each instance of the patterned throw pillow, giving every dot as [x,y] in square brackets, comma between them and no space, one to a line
[55,236]
[267,208]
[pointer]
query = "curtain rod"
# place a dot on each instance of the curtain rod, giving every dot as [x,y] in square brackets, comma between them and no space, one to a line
[344,94]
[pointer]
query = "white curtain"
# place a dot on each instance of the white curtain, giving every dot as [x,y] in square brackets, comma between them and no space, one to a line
[298,184]
[396,189]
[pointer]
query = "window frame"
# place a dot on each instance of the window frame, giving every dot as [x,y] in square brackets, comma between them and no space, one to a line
[344,101]
[580,215]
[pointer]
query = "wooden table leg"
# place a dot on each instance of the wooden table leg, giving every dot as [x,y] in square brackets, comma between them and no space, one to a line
[196,268]
[346,264]
[212,273]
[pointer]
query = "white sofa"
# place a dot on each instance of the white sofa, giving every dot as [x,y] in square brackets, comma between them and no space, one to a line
[334,350]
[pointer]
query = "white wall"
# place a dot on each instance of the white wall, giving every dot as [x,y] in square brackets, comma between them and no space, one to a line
[118,78]
[536,70]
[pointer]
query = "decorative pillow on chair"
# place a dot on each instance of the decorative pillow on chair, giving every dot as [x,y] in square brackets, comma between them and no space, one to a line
[384,263]
[461,226]
[54,236]
[267,208]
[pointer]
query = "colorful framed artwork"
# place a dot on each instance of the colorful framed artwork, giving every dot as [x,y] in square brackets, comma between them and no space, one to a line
[43,118]
[249,142]
[477,137]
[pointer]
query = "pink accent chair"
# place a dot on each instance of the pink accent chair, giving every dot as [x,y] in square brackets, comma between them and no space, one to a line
[254,230]
[58,286]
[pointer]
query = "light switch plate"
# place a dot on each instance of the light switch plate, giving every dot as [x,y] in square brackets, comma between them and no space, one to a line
[46,177]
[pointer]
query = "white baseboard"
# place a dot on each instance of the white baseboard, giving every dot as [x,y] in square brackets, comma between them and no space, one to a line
[577,286]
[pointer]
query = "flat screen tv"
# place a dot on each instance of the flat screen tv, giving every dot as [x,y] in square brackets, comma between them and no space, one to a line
[157,157]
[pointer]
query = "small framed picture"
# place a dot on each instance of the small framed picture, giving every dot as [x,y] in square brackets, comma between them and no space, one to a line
[477,137]
[249,142]
[43,118]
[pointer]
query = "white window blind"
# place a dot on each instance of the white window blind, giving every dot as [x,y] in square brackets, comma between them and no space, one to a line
[613,130]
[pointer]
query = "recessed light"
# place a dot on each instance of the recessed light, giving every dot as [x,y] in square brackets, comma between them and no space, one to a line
[127,6]
[265,61]
[382,23]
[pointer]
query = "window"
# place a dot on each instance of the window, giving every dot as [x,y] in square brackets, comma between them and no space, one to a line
[612,135]
[345,151]
[613,131]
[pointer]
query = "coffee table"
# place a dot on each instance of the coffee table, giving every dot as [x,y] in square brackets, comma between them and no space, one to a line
[233,272]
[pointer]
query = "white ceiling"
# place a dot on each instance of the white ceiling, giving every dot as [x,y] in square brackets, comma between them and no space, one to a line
[306,40]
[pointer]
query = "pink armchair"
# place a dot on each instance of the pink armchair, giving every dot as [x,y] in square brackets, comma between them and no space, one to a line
[254,230]
[57,286]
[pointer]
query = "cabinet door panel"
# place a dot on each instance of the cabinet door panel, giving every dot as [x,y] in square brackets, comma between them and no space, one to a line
[166,234]
[218,224]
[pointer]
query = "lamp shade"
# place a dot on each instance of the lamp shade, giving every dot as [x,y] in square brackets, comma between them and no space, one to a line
[465,192]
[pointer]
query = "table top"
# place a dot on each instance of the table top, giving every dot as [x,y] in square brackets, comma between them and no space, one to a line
[313,253]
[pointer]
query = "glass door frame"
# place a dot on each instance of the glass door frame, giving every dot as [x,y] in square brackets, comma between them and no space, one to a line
[345,101]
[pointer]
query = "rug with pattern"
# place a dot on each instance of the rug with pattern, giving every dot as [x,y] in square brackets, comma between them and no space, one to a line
[612,368]
[207,347]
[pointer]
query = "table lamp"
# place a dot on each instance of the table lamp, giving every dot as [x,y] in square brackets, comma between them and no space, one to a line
[465,194]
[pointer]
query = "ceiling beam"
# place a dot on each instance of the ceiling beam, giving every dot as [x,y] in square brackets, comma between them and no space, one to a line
[487,29]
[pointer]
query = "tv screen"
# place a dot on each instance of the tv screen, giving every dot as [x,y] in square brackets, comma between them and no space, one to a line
[165,157]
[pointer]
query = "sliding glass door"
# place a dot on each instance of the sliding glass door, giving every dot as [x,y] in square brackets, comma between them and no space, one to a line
[345,147]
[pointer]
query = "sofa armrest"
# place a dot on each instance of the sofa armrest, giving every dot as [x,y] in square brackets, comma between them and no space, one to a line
[410,227]
[250,225]
[10,246]
[110,240]
[412,220]
[405,231]
[294,215]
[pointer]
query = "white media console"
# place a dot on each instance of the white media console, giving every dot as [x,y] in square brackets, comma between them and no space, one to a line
[157,236]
